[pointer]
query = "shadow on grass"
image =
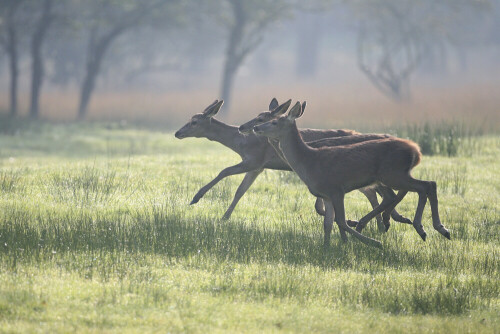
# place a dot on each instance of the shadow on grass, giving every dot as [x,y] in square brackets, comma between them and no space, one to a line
[161,230]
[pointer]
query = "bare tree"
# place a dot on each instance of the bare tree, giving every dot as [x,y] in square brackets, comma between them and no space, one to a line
[9,39]
[108,21]
[248,22]
[395,36]
[389,50]
[37,67]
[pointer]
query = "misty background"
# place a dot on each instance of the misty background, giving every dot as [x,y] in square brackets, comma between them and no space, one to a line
[159,61]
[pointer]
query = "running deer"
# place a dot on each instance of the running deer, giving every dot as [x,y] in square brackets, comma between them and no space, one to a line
[331,172]
[369,192]
[255,152]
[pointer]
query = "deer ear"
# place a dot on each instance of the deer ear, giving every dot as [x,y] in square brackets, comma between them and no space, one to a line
[281,109]
[274,103]
[207,109]
[295,112]
[215,109]
[303,108]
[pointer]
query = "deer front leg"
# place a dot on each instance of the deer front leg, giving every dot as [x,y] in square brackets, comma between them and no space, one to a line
[319,206]
[328,223]
[338,205]
[233,170]
[242,189]
[320,210]
[386,202]
[371,195]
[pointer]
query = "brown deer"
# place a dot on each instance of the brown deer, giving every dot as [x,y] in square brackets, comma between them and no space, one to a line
[384,191]
[331,172]
[255,152]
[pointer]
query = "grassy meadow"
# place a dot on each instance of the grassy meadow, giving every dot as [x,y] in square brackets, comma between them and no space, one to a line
[96,235]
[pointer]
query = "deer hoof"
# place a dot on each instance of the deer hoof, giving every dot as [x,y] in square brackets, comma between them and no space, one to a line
[447,235]
[352,223]
[423,236]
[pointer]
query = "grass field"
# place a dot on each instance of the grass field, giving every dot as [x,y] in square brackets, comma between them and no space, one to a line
[96,235]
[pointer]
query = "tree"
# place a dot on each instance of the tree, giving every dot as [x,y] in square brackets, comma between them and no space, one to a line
[395,36]
[246,25]
[37,67]
[9,39]
[104,22]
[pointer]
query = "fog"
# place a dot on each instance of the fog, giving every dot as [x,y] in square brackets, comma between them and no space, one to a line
[163,61]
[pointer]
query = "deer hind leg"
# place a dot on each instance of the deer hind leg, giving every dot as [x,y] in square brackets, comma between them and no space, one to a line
[242,189]
[400,218]
[338,205]
[436,222]
[390,210]
[371,194]
[417,221]
[394,213]
[386,202]
[407,183]
[388,195]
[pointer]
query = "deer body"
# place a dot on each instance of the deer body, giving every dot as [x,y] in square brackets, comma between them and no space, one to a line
[328,168]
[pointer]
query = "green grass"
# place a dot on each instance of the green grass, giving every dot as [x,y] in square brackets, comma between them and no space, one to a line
[96,235]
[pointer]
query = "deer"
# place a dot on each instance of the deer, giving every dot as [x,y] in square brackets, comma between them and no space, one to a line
[331,172]
[255,152]
[384,223]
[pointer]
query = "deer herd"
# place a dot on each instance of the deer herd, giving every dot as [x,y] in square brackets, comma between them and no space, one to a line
[330,162]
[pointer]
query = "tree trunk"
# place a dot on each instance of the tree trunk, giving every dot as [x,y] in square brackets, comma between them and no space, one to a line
[88,85]
[308,46]
[234,55]
[230,69]
[97,51]
[13,67]
[36,57]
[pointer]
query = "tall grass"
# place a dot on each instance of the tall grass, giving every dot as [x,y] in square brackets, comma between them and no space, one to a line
[10,180]
[85,186]
[443,138]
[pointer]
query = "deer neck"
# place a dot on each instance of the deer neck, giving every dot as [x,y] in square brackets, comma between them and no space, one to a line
[295,151]
[225,134]
[276,146]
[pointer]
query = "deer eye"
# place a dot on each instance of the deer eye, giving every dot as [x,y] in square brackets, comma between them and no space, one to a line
[194,122]
[274,122]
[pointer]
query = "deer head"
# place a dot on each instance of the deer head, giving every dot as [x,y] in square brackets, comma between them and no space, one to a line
[199,122]
[275,110]
[278,127]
